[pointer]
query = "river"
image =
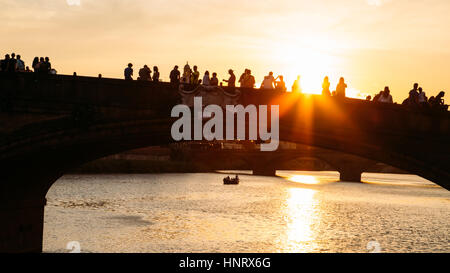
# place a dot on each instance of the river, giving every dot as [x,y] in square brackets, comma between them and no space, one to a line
[295,212]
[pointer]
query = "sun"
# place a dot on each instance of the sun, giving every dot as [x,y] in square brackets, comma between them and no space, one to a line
[312,65]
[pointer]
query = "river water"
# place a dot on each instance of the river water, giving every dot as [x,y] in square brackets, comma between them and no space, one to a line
[296,212]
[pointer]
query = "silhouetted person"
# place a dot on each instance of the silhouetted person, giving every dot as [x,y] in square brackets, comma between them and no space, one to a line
[340,88]
[250,83]
[296,86]
[326,87]
[5,63]
[268,82]
[243,78]
[377,96]
[144,73]
[128,72]
[414,95]
[20,65]
[369,98]
[214,81]
[206,80]
[99,76]
[280,85]
[12,63]
[438,101]
[27,69]
[35,64]
[42,66]
[48,65]
[155,74]
[386,97]
[195,75]
[422,99]
[232,79]
[175,75]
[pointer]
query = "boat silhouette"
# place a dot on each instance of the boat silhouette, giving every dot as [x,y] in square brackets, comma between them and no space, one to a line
[231,181]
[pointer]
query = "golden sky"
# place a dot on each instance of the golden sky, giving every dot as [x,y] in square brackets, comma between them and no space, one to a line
[372,43]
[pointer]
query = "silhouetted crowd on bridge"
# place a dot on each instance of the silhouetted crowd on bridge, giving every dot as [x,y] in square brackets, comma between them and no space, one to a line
[417,98]
[12,63]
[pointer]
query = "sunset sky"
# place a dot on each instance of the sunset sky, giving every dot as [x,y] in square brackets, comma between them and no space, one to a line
[372,43]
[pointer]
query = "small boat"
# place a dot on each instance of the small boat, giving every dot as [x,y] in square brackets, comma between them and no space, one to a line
[231,181]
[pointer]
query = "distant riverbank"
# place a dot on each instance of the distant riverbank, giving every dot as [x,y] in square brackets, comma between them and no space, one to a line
[108,165]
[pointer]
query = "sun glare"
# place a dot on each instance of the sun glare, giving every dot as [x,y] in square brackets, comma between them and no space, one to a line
[304,179]
[312,63]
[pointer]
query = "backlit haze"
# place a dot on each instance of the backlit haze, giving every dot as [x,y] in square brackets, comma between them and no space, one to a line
[372,43]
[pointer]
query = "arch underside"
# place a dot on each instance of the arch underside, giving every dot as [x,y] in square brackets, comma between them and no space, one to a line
[49,153]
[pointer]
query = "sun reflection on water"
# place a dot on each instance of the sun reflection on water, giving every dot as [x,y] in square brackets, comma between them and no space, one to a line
[301,211]
[304,179]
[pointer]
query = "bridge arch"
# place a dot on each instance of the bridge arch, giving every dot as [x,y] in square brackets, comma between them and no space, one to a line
[53,124]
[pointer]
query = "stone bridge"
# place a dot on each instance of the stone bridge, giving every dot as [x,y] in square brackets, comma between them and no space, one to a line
[51,124]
